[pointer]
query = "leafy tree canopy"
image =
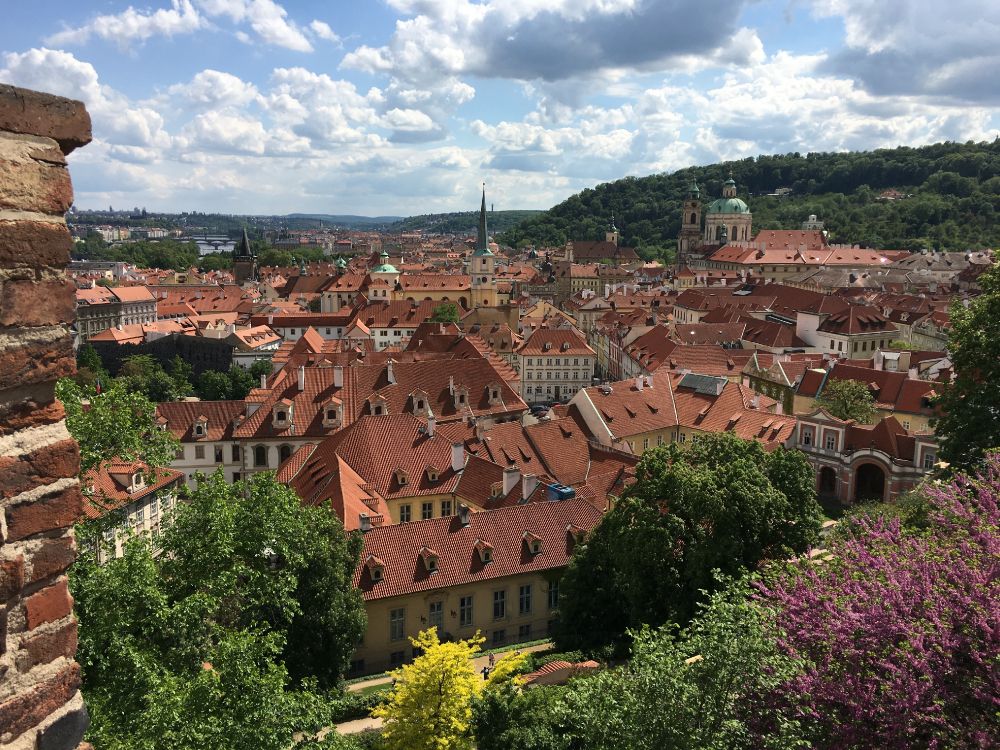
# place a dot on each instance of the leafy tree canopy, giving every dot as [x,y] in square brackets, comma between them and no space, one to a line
[952,203]
[848,399]
[446,312]
[719,503]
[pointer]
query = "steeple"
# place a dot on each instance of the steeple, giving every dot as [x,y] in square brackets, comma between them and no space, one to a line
[243,250]
[483,238]
[693,190]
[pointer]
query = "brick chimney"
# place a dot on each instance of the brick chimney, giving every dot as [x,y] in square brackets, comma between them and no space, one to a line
[40,703]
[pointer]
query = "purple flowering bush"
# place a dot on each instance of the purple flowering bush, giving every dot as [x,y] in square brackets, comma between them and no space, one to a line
[899,630]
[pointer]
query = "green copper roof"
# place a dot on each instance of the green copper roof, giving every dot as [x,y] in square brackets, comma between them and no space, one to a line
[482,237]
[693,191]
[341,263]
[385,266]
[727,206]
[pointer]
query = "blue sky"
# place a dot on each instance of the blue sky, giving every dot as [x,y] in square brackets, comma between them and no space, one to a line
[406,106]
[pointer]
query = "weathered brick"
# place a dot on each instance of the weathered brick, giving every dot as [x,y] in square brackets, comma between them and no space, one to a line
[3,637]
[22,473]
[29,708]
[34,411]
[56,511]
[34,243]
[46,647]
[52,557]
[36,358]
[26,302]
[50,604]
[30,185]
[65,732]
[63,120]
[11,577]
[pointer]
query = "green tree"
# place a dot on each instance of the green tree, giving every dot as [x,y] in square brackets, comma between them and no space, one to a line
[190,649]
[968,423]
[141,373]
[214,386]
[115,424]
[430,707]
[182,373]
[446,312]
[512,718]
[241,382]
[848,399]
[693,688]
[720,503]
[90,368]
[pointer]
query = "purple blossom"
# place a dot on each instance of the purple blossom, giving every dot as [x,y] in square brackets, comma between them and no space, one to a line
[900,630]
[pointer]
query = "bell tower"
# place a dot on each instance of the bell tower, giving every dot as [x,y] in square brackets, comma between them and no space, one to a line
[689,240]
[244,261]
[482,266]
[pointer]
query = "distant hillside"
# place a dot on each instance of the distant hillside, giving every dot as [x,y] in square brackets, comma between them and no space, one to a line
[346,220]
[462,223]
[953,199]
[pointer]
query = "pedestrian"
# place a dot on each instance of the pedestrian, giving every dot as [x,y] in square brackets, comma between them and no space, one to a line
[493,660]
[486,673]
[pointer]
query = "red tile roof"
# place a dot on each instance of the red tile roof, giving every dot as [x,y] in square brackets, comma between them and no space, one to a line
[398,547]
[111,483]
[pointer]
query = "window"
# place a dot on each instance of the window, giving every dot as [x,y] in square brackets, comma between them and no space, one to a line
[524,632]
[906,424]
[179,455]
[331,415]
[499,604]
[659,439]
[807,436]
[236,476]
[281,416]
[645,443]
[260,455]
[831,441]
[435,616]
[929,460]
[524,600]
[840,346]
[199,451]
[499,636]
[199,429]
[404,513]
[396,658]
[397,624]
[218,454]
[426,511]
[446,507]
[554,595]
[465,612]
[139,515]
[236,453]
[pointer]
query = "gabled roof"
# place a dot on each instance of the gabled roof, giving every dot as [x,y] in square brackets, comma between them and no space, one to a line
[180,417]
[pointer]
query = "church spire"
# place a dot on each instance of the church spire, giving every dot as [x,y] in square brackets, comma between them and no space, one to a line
[482,237]
[244,250]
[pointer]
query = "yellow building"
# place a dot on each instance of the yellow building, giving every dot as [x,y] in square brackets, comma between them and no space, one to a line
[495,572]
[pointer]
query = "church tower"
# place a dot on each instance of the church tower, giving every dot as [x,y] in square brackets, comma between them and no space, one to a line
[689,240]
[612,234]
[244,261]
[482,266]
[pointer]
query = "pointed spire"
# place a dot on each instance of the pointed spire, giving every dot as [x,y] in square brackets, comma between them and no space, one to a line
[613,227]
[244,250]
[483,237]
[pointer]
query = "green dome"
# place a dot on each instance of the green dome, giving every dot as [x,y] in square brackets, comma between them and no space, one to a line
[341,263]
[727,206]
[385,266]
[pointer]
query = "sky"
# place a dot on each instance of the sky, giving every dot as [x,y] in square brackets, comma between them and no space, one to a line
[401,107]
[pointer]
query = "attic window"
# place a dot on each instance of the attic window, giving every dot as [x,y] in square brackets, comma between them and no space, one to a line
[496,489]
[376,573]
[281,416]
[199,429]
[533,541]
[432,474]
[401,477]
[331,415]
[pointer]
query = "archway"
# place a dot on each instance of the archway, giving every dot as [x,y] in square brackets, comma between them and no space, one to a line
[284,453]
[463,302]
[827,482]
[869,483]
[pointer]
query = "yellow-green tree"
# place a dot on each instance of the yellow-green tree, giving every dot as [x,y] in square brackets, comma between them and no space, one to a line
[430,707]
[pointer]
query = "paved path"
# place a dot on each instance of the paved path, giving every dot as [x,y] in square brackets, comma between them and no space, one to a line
[360,725]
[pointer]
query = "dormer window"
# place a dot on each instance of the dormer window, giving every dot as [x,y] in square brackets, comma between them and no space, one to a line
[331,413]
[577,534]
[138,480]
[283,413]
[420,403]
[401,478]
[461,396]
[430,558]
[375,568]
[533,541]
[432,474]
[484,550]
[496,489]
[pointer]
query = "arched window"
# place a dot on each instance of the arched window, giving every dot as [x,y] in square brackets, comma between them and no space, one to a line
[694,219]
[284,452]
[260,455]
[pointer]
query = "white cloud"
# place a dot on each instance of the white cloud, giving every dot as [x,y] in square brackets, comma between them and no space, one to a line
[268,19]
[213,88]
[134,25]
[323,31]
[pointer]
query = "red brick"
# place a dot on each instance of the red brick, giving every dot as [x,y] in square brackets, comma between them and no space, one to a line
[56,511]
[26,302]
[28,185]
[46,647]
[31,413]
[34,243]
[35,362]
[11,577]
[51,558]
[35,113]
[29,708]
[50,604]
[22,473]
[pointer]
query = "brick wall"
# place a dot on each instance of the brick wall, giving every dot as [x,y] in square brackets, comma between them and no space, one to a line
[40,702]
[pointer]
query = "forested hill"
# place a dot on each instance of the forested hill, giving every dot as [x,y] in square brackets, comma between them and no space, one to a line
[462,222]
[952,189]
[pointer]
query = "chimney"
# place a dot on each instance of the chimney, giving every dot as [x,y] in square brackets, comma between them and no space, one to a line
[270,319]
[364,522]
[463,514]
[528,484]
[451,385]
[338,377]
[389,374]
[511,476]
[431,424]
[649,381]
[457,456]
[638,382]
[263,380]
[302,377]
[779,408]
